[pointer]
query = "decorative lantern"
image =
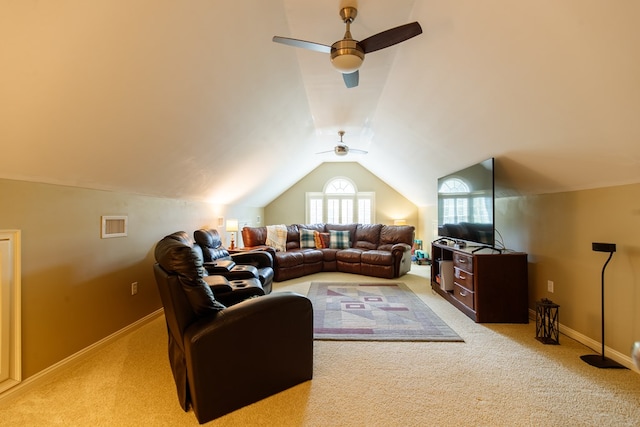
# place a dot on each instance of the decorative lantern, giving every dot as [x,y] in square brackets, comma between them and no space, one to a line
[547,322]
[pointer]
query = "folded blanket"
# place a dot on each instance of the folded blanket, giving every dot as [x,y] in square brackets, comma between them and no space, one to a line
[277,237]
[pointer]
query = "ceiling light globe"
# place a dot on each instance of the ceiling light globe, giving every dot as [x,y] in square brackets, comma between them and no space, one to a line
[347,56]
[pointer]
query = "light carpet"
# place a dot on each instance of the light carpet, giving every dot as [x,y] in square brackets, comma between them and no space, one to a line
[374,311]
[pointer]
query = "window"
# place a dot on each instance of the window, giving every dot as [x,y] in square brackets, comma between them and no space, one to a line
[460,205]
[340,203]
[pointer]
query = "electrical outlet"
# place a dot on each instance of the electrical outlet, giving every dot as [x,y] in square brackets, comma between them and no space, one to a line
[134,288]
[550,285]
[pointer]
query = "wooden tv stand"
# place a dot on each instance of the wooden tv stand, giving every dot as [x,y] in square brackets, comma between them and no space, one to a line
[488,286]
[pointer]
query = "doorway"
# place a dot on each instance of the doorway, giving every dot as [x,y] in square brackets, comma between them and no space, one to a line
[10,310]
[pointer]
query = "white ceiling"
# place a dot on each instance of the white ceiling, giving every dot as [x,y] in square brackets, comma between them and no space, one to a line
[193,100]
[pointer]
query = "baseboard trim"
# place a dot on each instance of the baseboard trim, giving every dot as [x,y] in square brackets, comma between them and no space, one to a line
[596,346]
[37,379]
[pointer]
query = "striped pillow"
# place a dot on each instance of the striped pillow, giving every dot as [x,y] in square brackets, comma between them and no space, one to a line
[307,239]
[322,239]
[339,239]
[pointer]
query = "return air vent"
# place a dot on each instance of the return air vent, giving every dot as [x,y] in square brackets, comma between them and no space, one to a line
[114,226]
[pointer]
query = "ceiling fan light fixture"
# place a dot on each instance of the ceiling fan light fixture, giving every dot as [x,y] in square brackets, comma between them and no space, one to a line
[346,56]
[341,150]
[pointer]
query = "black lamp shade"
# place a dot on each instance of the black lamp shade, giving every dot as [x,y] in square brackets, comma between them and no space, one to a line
[603,247]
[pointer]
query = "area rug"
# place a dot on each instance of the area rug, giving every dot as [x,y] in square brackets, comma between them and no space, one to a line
[374,312]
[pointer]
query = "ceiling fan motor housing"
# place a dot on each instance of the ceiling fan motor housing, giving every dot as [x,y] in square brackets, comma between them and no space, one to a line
[347,56]
[341,150]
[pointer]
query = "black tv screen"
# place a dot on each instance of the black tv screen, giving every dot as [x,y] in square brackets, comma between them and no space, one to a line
[466,204]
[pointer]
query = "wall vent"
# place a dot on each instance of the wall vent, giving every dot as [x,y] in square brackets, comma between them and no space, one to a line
[114,226]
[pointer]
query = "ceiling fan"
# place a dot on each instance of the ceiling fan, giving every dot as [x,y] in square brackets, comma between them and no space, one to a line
[348,54]
[342,149]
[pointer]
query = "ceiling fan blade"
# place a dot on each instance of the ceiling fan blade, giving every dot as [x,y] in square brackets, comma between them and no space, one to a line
[390,37]
[351,79]
[324,152]
[357,151]
[303,44]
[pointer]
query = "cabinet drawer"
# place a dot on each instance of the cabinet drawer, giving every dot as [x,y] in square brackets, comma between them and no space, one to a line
[463,261]
[464,295]
[463,278]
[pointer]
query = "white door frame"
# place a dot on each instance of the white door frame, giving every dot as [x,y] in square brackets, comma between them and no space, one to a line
[10,310]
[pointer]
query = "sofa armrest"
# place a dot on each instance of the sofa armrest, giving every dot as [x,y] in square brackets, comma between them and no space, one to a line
[259,259]
[400,248]
[219,266]
[262,248]
[218,284]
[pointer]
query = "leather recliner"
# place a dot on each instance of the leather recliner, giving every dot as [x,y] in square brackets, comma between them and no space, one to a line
[213,349]
[242,265]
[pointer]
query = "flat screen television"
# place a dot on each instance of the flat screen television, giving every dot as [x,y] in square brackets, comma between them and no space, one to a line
[466,205]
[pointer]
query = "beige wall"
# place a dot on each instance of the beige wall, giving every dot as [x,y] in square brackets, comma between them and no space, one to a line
[75,285]
[289,208]
[557,231]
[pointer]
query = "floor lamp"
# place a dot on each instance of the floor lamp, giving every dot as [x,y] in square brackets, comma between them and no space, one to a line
[599,360]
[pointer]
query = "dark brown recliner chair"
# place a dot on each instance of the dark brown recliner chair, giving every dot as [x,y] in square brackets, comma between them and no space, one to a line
[242,265]
[213,349]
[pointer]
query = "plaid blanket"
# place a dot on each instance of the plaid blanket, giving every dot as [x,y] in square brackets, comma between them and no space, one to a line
[277,237]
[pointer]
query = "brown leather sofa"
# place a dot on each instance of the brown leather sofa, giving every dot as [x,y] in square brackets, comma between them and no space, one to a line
[374,250]
[224,358]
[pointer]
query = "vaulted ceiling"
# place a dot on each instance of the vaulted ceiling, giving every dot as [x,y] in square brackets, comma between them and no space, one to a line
[193,100]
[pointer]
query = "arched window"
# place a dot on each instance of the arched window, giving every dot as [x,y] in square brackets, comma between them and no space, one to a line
[454,185]
[340,203]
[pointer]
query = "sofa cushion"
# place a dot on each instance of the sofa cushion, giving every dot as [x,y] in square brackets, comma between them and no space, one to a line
[289,259]
[349,255]
[377,258]
[351,228]
[254,236]
[311,256]
[307,239]
[392,234]
[293,237]
[211,244]
[339,239]
[367,236]
[315,227]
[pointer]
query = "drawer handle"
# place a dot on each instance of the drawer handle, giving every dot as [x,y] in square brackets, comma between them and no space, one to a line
[462,260]
[463,294]
[463,277]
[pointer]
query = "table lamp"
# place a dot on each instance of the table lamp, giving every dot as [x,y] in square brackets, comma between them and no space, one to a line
[232,227]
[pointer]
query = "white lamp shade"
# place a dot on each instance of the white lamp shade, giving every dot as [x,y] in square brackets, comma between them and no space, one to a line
[232,225]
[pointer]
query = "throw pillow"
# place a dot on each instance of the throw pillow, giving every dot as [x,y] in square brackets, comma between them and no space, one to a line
[318,240]
[307,239]
[321,239]
[339,239]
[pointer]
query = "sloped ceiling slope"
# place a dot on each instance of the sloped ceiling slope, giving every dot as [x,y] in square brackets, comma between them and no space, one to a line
[193,100]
